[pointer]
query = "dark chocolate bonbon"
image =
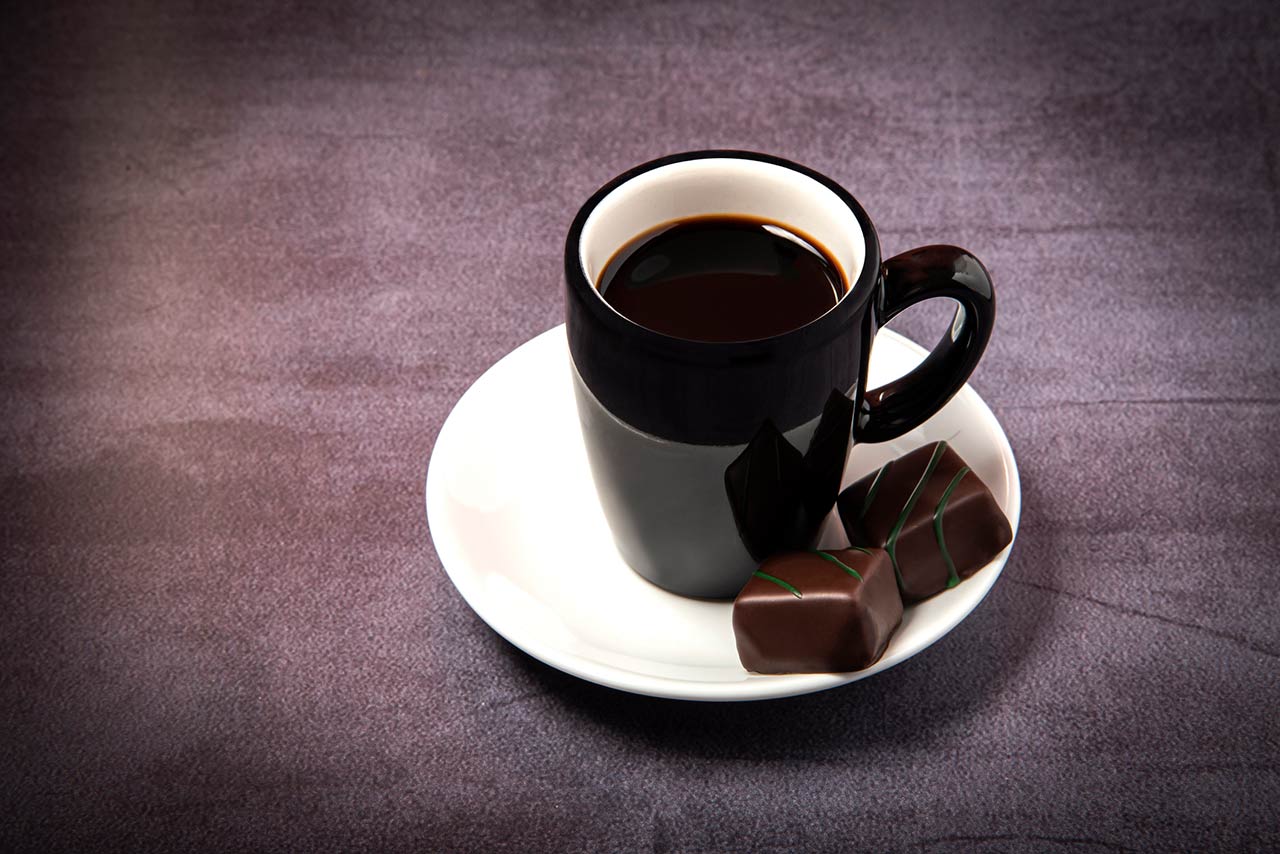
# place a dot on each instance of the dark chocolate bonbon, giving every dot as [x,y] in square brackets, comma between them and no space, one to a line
[934,517]
[817,612]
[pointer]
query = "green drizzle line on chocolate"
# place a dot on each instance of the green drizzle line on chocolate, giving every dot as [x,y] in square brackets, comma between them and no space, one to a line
[871,491]
[778,581]
[833,559]
[892,544]
[866,552]
[953,578]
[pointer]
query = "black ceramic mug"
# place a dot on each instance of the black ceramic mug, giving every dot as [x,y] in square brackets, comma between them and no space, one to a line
[708,457]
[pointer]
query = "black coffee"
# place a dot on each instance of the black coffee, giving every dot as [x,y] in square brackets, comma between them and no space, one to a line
[721,278]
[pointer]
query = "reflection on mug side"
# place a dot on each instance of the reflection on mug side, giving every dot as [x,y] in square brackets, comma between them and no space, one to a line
[667,505]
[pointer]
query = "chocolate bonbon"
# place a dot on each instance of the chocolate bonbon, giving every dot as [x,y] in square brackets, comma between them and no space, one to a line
[934,517]
[817,612]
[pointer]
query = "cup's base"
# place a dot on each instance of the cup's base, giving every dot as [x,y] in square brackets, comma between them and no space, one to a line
[724,585]
[665,504]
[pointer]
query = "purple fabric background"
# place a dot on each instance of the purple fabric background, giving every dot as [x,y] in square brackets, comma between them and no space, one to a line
[252,255]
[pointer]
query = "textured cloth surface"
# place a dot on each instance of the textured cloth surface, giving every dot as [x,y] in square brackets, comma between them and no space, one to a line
[252,255]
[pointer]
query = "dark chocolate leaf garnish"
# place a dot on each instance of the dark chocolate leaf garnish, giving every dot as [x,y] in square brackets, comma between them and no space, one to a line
[766,486]
[825,459]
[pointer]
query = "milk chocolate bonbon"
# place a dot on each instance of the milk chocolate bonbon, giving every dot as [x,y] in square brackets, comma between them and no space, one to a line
[817,612]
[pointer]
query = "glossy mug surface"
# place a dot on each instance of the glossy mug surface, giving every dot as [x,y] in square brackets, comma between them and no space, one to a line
[710,456]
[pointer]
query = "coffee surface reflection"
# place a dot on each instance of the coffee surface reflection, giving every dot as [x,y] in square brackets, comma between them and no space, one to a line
[722,278]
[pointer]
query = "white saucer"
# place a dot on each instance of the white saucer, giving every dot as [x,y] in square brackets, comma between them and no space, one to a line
[515,520]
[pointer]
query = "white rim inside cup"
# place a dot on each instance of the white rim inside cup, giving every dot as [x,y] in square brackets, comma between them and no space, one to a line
[722,185]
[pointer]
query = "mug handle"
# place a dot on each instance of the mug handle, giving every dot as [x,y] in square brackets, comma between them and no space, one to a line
[925,273]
